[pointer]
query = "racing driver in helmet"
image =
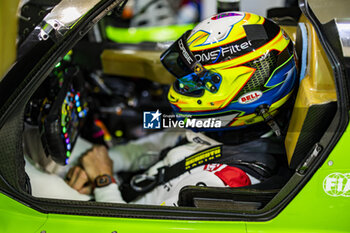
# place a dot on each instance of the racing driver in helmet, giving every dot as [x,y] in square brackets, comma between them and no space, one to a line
[236,67]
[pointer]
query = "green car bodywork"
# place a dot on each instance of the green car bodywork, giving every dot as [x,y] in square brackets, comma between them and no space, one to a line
[153,34]
[312,210]
[322,205]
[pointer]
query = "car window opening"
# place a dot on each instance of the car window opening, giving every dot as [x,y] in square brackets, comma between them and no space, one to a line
[103,94]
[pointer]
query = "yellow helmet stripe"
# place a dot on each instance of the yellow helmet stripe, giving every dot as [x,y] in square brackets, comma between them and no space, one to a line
[274,44]
[199,37]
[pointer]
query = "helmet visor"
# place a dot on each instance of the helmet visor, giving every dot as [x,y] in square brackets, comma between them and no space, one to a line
[192,76]
[178,58]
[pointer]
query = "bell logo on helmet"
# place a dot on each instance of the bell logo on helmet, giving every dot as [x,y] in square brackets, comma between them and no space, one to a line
[250,97]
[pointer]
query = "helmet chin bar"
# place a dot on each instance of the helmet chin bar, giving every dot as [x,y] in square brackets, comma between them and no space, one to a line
[263,111]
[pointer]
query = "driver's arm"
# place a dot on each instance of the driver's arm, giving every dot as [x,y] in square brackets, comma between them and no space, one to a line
[128,157]
[95,162]
[99,161]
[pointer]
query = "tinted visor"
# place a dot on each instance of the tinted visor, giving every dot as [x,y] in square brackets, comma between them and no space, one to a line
[179,60]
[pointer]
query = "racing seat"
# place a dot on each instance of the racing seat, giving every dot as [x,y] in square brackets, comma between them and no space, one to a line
[313,111]
[258,158]
[315,103]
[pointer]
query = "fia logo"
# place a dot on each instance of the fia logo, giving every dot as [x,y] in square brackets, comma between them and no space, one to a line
[337,184]
[151,120]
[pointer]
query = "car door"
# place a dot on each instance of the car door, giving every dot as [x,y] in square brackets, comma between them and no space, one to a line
[52,39]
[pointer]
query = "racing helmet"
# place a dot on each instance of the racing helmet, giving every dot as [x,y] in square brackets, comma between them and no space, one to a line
[234,67]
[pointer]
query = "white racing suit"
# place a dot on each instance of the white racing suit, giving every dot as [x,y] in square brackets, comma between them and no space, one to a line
[137,155]
[129,157]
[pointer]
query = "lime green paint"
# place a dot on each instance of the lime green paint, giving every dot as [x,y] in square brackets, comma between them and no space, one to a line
[16,217]
[83,224]
[153,34]
[312,210]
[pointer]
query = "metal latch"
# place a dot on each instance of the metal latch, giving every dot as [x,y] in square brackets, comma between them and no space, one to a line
[310,159]
[51,25]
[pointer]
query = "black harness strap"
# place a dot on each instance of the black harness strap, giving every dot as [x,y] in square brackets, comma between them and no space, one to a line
[141,183]
[253,157]
[203,157]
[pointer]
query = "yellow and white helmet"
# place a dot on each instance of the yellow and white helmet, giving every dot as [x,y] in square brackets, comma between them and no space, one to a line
[231,67]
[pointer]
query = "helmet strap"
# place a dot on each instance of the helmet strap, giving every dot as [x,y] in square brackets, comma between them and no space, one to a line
[263,111]
[274,126]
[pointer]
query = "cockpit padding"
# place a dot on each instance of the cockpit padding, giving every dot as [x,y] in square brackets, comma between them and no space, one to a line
[315,103]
